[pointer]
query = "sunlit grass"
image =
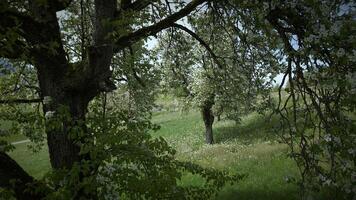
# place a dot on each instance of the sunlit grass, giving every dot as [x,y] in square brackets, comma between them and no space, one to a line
[13,138]
[4,134]
[35,163]
[249,147]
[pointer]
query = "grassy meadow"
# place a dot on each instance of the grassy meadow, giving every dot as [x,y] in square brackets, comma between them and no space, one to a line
[250,147]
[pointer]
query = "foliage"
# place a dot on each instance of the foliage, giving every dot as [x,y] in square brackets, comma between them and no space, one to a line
[130,164]
[317,114]
[18,81]
[237,70]
[65,54]
[125,162]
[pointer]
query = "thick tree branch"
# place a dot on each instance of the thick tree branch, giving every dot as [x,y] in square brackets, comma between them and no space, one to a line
[59,5]
[20,101]
[169,21]
[281,31]
[10,26]
[15,178]
[101,52]
[40,31]
[295,25]
[201,41]
[134,73]
[137,5]
[16,50]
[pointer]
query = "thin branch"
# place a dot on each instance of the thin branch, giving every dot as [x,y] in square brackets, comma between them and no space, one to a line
[20,101]
[201,41]
[132,62]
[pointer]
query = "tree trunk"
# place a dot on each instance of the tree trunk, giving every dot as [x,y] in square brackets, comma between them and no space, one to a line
[58,82]
[63,150]
[219,113]
[62,96]
[208,118]
[64,83]
[71,86]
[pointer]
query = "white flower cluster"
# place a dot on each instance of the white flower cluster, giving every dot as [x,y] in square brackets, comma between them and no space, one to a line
[352,151]
[311,38]
[352,57]
[351,78]
[325,180]
[47,100]
[49,114]
[109,189]
[340,52]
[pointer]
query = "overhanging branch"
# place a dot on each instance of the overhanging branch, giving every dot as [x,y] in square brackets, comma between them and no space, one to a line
[201,41]
[16,50]
[20,101]
[9,24]
[12,176]
[137,5]
[127,40]
[59,5]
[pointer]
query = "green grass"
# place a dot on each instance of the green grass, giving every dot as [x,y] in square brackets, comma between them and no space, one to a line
[35,163]
[4,126]
[13,138]
[166,103]
[249,147]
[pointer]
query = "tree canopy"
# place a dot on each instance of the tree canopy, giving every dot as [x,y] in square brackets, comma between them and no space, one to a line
[78,76]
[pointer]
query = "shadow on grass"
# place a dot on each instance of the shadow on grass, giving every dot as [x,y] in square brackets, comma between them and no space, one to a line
[289,194]
[251,129]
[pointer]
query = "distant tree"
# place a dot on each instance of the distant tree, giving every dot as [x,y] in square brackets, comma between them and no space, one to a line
[221,73]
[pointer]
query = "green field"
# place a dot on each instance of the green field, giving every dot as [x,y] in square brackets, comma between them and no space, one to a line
[249,147]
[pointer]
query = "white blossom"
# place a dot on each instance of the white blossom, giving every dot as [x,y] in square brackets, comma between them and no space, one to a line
[49,114]
[328,138]
[340,52]
[47,100]
[335,28]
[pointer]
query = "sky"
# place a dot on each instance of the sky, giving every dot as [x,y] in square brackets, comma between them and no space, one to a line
[5,66]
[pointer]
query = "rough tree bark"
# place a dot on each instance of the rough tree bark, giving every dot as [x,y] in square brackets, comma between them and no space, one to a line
[59,84]
[208,118]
